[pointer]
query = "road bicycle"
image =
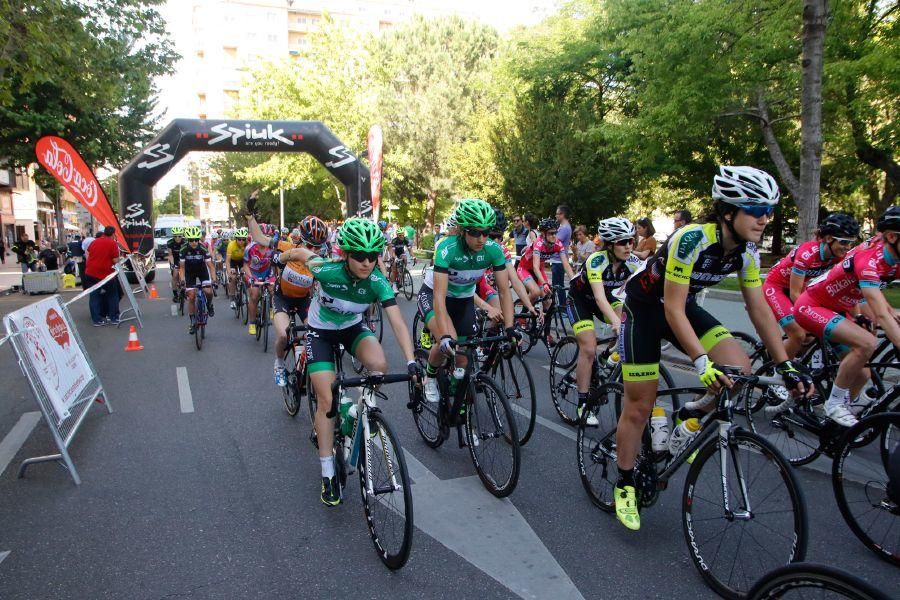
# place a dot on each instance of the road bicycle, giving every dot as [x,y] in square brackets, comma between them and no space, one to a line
[200,317]
[263,322]
[563,383]
[294,367]
[180,297]
[549,326]
[807,580]
[504,363]
[859,475]
[473,404]
[240,297]
[743,512]
[373,450]
[800,429]
[373,318]
[403,279]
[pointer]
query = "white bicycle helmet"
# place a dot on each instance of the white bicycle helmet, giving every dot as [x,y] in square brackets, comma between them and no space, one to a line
[451,220]
[615,229]
[745,186]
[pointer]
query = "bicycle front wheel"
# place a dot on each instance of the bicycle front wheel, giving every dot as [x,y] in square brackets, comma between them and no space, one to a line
[492,437]
[597,450]
[386,495]
[266,306]
[860,479]
[425,414]
[806,580]
[764,525]
[563,388]
[291,391]
[514,378]
[407,284]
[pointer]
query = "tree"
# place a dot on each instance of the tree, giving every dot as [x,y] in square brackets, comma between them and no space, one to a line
[172,205]
[430,77]
[82,71]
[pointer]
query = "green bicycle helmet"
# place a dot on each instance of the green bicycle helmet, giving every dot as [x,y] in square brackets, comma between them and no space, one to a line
[360,235]
[176,231]
[475,213]
[193,233]
[240,233]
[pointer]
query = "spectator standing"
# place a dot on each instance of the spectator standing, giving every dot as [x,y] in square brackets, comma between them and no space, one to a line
[681,218]
[76,252]
[646,242]
[564,235]
[520,234]
[49,259]
[532,222]
[104,302]
[2,251]
[25,255]
[584,245]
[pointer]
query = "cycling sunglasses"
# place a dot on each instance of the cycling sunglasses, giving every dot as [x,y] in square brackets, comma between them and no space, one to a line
[551,232]
[756,211]
[477,233]
[625,242]
[364,256]
[844,241]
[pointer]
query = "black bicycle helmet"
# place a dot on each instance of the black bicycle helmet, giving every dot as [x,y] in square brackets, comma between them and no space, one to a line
[313,231]
[500,223]
[890,220]
[548,224]
[839,224]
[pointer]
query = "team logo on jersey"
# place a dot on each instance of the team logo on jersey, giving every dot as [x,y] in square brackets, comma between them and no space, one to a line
[597,261]
[687,243]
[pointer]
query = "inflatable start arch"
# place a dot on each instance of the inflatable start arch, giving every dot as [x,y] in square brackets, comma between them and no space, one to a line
[181,136]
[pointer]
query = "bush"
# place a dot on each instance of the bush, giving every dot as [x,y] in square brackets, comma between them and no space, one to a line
[427,242]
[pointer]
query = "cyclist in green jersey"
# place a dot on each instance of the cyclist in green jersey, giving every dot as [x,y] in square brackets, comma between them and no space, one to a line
[346,288]
[445,299]
[661,304]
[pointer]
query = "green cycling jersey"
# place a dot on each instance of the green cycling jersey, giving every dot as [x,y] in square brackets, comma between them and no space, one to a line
[341,298]
[463,266]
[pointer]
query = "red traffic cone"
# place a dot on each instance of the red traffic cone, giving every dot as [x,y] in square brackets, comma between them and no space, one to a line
[154,295]
[133,344]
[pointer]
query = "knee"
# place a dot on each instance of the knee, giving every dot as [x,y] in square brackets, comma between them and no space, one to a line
[378,366]
[636,413]
[868,345]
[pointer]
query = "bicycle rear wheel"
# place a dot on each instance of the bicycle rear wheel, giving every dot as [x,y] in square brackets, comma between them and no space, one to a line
[860,481]
[198,336]
[372,319]
[766,529]
[386,495]
[514,378]
[526,326]
[806,580]
[425,414]
[266,306]
[244,301]
[291,393]
[492,437]
[563,388]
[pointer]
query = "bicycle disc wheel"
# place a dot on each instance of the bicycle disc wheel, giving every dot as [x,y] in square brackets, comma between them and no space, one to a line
[407,284]
[291,391]
[425,414]
[807,580]
[492,437]
[597,451]
[733,549]
[386,495]
[563,388]
[860,485]
[514,378]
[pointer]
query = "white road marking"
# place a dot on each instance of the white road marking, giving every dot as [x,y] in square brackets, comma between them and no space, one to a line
[560,429]
[15,438]
[184,390]
[488,532]
[3,555]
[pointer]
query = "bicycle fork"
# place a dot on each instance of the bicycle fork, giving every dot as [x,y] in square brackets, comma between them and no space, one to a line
[725,449]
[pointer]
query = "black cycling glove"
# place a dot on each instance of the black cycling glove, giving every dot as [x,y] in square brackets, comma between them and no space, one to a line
[793,377]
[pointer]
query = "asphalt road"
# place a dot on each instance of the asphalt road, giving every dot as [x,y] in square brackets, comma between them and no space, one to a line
[222,502]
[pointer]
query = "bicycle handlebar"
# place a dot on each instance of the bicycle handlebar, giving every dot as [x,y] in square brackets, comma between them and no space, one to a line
[480,341]
[371,379]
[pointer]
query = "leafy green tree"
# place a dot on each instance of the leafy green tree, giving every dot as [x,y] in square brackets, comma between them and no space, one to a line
[171,204]
[82,71]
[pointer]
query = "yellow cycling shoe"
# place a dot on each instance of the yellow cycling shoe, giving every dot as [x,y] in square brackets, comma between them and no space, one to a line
[626,507]
[252,329]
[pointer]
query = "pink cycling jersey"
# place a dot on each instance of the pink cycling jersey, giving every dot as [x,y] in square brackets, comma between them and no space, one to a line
[841,287]
[485,286]
[807,260]
[545,250]
[259,260]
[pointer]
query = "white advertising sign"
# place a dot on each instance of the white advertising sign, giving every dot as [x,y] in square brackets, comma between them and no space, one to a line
[53,353]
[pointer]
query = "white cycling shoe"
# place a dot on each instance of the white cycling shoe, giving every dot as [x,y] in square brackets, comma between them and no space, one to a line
[840,414]
[432,394]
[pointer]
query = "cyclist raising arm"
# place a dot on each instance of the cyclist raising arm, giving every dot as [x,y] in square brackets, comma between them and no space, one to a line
[823,307]
[346,289]
[661,304]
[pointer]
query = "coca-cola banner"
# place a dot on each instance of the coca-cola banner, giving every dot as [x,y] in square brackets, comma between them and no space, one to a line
[375,166]
[66,165]
[182,136]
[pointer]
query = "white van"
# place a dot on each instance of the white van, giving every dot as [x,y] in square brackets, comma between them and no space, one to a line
[162,231]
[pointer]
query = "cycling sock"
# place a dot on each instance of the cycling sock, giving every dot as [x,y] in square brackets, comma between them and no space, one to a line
[626,477]
[327,465]
[583,398]
[279,362]
[838,396]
